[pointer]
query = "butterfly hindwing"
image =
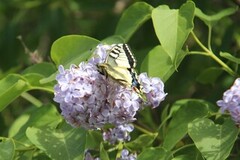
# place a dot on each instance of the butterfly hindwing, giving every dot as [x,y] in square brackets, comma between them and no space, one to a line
[121,75]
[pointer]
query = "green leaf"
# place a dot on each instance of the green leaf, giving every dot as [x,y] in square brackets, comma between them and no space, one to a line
[51,78]
[214,141]
[173,27]
[11,87]
[93,139]
[209,75]
[213,19]
[158,63]
[132,19]
[113,40]
[186,157]
[33,80]
[27,154]
[143,141]
[147,118]
[62,143]
[7,149]
[38,72]
[103,153]
[155,154]
[230,57]
[45,69]
[188,111]
[38,117]
[188,153]
[72,49]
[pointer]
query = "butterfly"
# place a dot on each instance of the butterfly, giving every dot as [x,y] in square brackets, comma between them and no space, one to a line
[120,65]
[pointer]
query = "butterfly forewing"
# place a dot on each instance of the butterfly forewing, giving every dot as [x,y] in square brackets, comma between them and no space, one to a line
[122,56]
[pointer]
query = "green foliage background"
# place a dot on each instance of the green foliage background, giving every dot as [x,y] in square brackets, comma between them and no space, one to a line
[40,23]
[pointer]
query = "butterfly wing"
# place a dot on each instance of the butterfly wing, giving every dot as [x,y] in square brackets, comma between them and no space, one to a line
[119,65]
[121,56]
[119,74]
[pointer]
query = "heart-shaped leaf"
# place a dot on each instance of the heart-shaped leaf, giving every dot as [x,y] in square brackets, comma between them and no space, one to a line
[173,26]
[214,141]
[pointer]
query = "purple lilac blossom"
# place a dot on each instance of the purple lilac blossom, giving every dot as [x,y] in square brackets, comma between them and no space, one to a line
[91,100]
[231,101]
[153,88]
[125,155]
[118,134]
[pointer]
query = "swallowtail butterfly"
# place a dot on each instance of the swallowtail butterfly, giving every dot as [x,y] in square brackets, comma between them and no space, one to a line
[119,65]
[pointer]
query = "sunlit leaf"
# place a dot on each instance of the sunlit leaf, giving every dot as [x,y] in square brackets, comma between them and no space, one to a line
[113,40]
[173,26]
[103,153]
[214,141]
[12,87]
[187,112]
[62,143]
[132,19]
[158,63]
[72,49]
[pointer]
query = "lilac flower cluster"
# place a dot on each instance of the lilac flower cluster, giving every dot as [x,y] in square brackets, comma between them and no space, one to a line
[125,155]
[91,100]
[231,101]
[153,89]
[119,133]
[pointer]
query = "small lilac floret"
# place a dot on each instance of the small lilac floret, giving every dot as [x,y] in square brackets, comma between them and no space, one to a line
[118,134]
[100,54]
[125,155]
[231,101]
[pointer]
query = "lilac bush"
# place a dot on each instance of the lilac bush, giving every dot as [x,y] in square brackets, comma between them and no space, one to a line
[111,107]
